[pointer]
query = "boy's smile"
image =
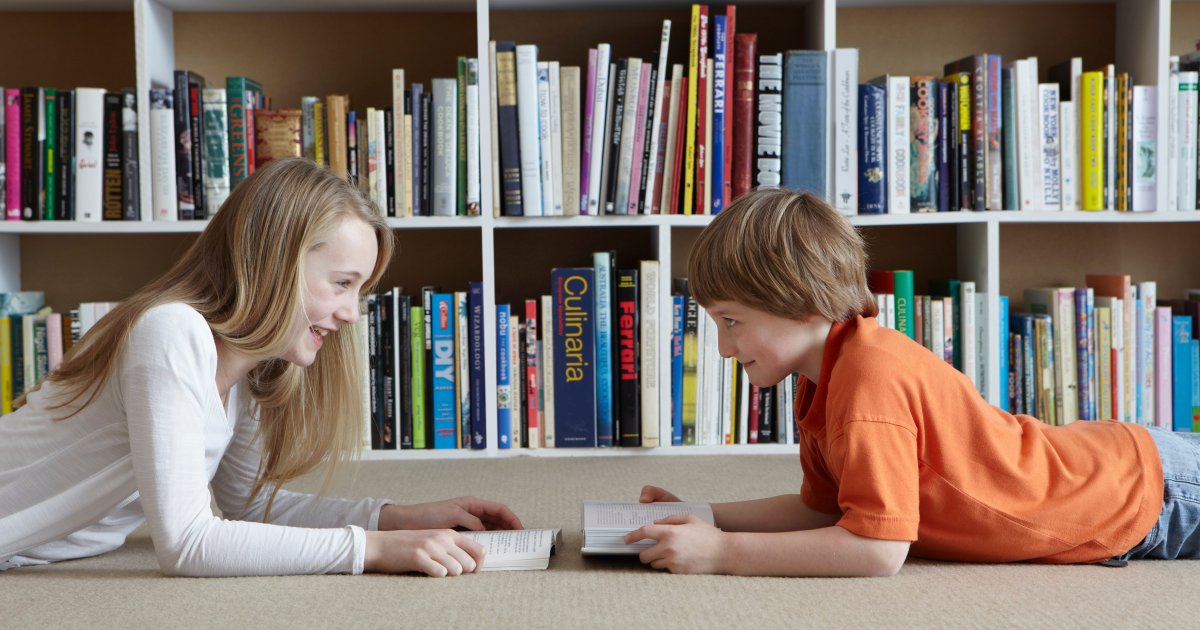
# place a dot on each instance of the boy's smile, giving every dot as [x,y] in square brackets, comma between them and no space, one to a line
[768,346]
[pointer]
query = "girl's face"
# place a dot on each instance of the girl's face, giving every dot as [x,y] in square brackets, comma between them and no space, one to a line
[334,273]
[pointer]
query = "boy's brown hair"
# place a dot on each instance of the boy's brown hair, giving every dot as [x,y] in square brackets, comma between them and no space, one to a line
[784,252]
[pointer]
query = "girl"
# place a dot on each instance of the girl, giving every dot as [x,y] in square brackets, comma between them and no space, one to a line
[232,370]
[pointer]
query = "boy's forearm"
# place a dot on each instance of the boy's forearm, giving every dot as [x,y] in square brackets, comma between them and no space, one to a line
[783,513]
[826,552]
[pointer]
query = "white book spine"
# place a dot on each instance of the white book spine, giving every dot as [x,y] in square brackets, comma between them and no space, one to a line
[1145,149]
[1029,172]
[898,173]
[373,159]
[743,408]
[649,358]
[1069,154]
[1147,300]
[569,116]
[726,416]
[633,77]
[1049,146]
[982,355]
[843,108]
[556,140]
[162,156]
[527,129]
[967,349]
[399,161]
[380,174]
[1172,149]
[656,112]
[473,172]
[937,328]
[89,154]
[545,138]
[1076,147]
[443,187]
[599,115]
[1187,143]
[712,362]
[702,384]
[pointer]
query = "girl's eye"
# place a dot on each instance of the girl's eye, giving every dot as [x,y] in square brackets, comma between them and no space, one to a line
[345,284]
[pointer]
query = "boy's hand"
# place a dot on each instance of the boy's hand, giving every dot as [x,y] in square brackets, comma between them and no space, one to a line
[464,512]
[685,544]
[434,552]
[654,494]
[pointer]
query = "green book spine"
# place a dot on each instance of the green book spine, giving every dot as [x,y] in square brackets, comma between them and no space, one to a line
[239,102]
[902,285]
[417,329]
[461,153]
[50,194]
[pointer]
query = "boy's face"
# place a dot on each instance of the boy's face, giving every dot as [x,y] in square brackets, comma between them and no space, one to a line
[768,346]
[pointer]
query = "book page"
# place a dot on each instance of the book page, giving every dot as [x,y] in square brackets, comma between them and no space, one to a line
[520,542]
[631,515]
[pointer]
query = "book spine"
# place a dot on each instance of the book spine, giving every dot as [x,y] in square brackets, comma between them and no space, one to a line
[664,181]
[745,53]
[574,357]
[602,263]
[898,162]
[719,149]
[416,322]
[637,141]
[599,117]
[611,171]
[459,141]
[503,378]
[923,139]
[112,155]
[445,121]
[545,139]
[48,131]
[804,115]
[162,152]
[239,120]
[1092,151]
[416,186]
[843,117]
[510,142]
[532,374]
[476,377]
[443,376]
[527,113]
[945,146]
[648,351]
[1145,156]
[656,136]
[64,204]
[12,154]
[872,149]
[573,189]
[769,148]
[678,305]
[703,118]
[546,359]
[695,62]
[387,370]
[402,332]
[627,355]
[472,134]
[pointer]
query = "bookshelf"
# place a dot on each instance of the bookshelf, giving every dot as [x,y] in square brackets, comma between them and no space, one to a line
[298,47]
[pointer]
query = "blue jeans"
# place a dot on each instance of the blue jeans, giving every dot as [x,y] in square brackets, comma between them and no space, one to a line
[1177,532]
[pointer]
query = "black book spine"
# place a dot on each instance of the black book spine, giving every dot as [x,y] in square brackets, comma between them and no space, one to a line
[373,369]
[183,148]
[404,390]
[389,156]
[427,308]
[30,186]
[387,366]
[612,160]
[113,157]
[629,384]
[196,123]
[131,194]
[65,210]
[766,415]
[426,174]
[352,148]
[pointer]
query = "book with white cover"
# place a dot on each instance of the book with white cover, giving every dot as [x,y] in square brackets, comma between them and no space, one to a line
[605,523]
[527,129]
[89,154]
[843,120]
[517,549]
[1145,155]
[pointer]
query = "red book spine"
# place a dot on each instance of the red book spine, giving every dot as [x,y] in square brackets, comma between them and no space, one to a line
[680,140]
[755,412]
[745,47]
[532,381]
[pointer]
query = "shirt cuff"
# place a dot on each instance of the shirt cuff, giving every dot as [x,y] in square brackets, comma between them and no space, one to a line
[373,522]
[360,549]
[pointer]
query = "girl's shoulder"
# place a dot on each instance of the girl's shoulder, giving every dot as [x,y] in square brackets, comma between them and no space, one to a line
[172,328]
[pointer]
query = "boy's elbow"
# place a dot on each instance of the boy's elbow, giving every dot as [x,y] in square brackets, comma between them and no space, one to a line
[888,557]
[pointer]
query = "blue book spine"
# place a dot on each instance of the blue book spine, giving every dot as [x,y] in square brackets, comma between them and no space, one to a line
[677,306]
[1082,333]
[417,94]
[445,399]
[503,378]
[573,295]
[1002,402]
[805,73]
[1093,408]
[475,343]
[602,262]
[717,154]
[510,141]
[1194,347]
[872,148]
[1011,199]
[1181,364]
[1025,325]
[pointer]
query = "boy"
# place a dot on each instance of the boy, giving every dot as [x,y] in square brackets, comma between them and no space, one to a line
[900,454]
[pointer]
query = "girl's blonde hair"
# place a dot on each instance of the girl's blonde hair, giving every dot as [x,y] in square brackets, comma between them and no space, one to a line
[245,276]
[784,252]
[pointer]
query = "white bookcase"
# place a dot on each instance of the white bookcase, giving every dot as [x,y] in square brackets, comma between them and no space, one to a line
[325,46]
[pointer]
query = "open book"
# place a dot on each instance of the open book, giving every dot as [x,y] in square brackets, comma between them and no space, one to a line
[517,550]
[605,523]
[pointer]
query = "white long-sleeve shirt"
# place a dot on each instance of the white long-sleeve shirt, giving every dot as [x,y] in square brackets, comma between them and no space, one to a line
[147,450]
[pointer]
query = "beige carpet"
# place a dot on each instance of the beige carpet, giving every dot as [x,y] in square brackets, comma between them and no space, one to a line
[124,589]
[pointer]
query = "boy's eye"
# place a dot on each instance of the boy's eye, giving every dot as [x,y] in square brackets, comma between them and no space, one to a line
[729,322]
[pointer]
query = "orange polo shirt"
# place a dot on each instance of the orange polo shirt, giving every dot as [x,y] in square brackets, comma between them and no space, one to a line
[902,445]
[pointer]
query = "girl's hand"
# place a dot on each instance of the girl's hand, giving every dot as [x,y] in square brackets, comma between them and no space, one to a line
[463,512]
[434,552]
[654,494]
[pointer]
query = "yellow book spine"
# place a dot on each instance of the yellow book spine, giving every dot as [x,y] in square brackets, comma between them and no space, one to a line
[1091,138]
[6,375]
[689,160]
